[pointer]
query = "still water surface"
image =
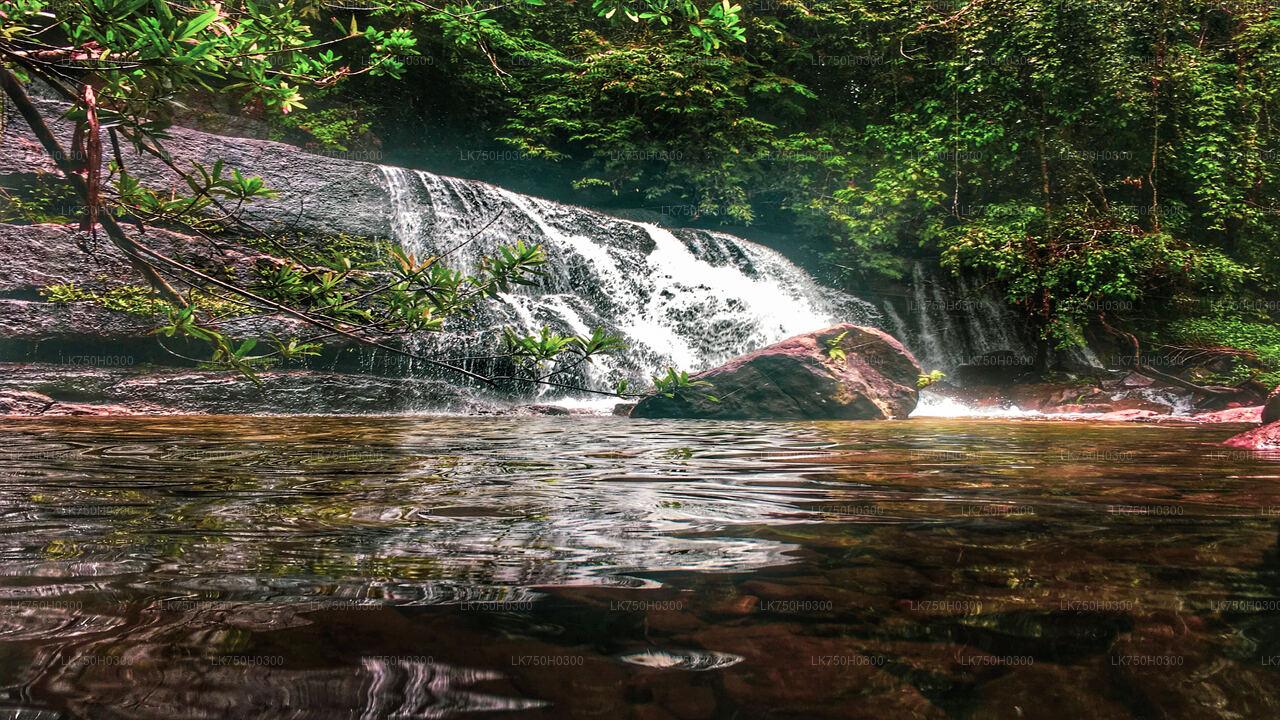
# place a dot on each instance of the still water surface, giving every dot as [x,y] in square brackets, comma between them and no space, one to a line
[376,567]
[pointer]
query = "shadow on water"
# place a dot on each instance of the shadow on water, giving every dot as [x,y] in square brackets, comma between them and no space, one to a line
[600,567]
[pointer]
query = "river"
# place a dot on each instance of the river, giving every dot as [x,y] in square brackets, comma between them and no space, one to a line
[566,567]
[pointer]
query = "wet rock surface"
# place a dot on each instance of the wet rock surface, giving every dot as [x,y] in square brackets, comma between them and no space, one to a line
[47,254]
[319,194]
[73,389]
[27,404]
[35,329]
[87,324]
[1234,415]
[1266,437]
[1133,397]
[999,368]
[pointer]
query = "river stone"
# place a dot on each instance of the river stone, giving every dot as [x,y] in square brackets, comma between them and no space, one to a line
[799,379]
[1271,411]
[1266,437]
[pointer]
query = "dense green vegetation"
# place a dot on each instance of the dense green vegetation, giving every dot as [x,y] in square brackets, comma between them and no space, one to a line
[1105,165]
[124,64]
[1109,168]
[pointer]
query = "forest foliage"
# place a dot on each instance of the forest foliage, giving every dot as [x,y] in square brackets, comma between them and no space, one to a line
[1104,166]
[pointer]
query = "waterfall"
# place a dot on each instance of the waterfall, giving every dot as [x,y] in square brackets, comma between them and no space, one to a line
[689,299]
[950,322]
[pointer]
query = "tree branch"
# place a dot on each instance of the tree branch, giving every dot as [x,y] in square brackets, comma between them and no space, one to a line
[13,88]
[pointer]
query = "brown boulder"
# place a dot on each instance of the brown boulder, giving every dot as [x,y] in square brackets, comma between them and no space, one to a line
[1271,411]
[846,372]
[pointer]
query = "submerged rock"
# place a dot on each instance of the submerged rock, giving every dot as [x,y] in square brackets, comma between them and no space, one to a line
[845,372]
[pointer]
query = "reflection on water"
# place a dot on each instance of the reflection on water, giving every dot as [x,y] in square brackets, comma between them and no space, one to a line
[602,567]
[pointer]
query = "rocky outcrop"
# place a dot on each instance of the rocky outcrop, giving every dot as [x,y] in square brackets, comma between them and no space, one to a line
[1233,415]
[1266,437]
[1120,405]
[27,403]
[318,193]
[1271,411]
[24,321]
[846,372]
[72,389]
[714,296]
[37,256]
[21,402]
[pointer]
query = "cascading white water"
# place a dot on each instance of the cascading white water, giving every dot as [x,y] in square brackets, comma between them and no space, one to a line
[688,299]
[953,324]
[949,323]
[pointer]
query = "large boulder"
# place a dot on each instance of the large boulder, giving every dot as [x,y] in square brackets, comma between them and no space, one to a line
[1271,411]
[846,372]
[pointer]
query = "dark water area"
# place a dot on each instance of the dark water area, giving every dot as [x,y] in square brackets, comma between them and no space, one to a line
[390,567]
